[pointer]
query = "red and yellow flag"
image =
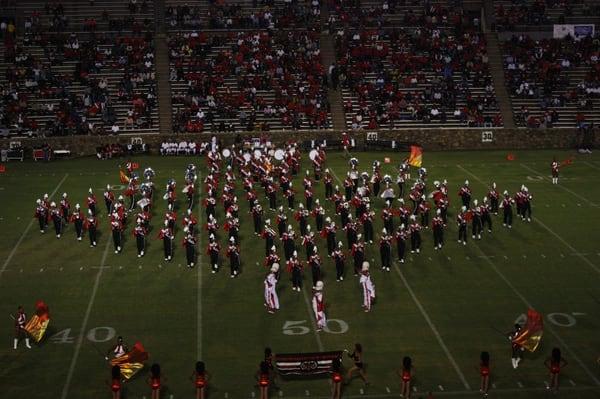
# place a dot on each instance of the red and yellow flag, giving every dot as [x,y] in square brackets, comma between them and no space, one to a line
[37,325]
[123,177]
[531,335]
[131,362]
[416,156]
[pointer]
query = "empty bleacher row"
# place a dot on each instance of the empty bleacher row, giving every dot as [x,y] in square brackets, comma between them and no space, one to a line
[248,81]
[553,82]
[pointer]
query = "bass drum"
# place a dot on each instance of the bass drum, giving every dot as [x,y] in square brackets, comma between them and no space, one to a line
[279,154]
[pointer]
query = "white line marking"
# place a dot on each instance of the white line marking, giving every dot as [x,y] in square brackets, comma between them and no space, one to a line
[529,305]
[433,328]
[591,165]
[560,186]
[280,393]
[519,384]
[546,385]
[83,328]
[572,382]
[199,291]
[313,321]
[252,394]
[387,389]
[307,392]
[441,388]
[14,250]
[543,256]
[362,391]
[494,386]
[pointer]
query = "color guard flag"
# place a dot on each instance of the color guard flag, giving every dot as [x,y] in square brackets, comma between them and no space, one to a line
[416,156]
[306,363]
[131,362]
[123,177]
[37,325]
[2,168]
[566,162]
[531,335]
[510,156]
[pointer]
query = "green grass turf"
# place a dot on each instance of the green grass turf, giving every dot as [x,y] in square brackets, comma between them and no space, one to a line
[465,292]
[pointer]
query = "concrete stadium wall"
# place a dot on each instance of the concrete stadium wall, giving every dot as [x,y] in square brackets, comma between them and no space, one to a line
[432,140]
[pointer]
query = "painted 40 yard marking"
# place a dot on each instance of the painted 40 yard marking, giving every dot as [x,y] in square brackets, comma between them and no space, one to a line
[97,334]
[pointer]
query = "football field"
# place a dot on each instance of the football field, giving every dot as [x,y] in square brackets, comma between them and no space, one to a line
[441,308]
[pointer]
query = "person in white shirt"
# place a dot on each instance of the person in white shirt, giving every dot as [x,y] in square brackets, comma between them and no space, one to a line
[271,298]
[368,287]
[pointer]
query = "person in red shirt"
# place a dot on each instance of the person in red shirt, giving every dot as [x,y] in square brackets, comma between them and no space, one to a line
[155,381]
[200,377]
[263,380]
[336,379]
[484,370]
[115,383]
[554,364]
[406,375]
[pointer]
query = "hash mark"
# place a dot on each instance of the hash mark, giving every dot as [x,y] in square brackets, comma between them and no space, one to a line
[543,256]
[441,387]
[307,393]
[572,382]
[519,384]
[226,395]
[494,386]
[387,389]
[362,391]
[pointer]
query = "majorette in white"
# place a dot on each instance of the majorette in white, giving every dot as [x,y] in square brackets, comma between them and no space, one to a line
[318,305]
[271,298]
[368,287]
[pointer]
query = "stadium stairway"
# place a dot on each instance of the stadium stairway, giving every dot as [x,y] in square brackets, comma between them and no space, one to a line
[164,87]
[497,72]
[338,116]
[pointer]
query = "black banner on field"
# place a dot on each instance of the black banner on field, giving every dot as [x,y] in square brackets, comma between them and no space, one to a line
[305,363]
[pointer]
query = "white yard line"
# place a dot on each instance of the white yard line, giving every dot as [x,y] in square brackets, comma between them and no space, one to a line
[313,321]
[84,324]
[548,327]
[591,165]
[558,185]
[199,267]
[548,229]
[433,328]
[14,250]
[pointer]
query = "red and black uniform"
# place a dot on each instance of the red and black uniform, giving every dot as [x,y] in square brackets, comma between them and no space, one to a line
[319,214]
[189,243]
[385,251]
[139,232]
[295,268]
[339,259]
[57,219]
[314,262]
[65,208]
[301,217]
[200,380]
[166,235]
[367,221]
[358,254]
[213,250]
[494,198]
[257,213]
[308,242]
[329,233]
[269,236]
[290,194]
[41,214]
[401,236]
[155,383]
[461,220]
[233,252]
[415,237]
[308,195]
[91,203]
[281,223]
[388,219]
[328,181]
[486,219]
[115,385]
[484,370]
[91,225]
[351,233]
[465,195]
[117,232]
[77,219]
[109,199]
[438,232]
[507,204]
[289,245]
[554,168]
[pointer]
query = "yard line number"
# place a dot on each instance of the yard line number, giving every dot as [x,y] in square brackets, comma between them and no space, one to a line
[97,334]
[297,327]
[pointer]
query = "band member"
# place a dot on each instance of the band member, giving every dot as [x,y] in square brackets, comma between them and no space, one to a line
[65,208]
[405,375]
[554,166]
[290,194]
[351,231]
[20,332]
[339,259]
[211,225]
[329,233]
[269,236]
[314,261]
[91,201]
[319,214]
[507,204]
[91,225]
[403,212]
[318,305]
[476,224]
[555,363]
[189,190]
[271,298]
[415,235]
[357,358]
[465,194]
[486,219]
[423,210]
[517,350]
[257,213]
[289,245]
[336,378]
[368,287]
[41,214]
[484,371]
[262,375]
[57,219]
[388,217]
[77,219]
[385,250]
[358,254]
[301,216]
[139,232]
[494,198]
[117,231]
[526,206]
[115,382]
[367,221]
[189,243]
[118,350]
[461,220]
[200,377]
[281,221]
[272,195]
[233,253]
[155,381]
[166,235]
[401,236]
[109,199]
[213,252]
[328,181]
[295,268]
[308,195]
[438,230]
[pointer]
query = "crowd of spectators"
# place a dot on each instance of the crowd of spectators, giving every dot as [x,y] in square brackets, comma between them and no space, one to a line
[424,74]
[263,14]
[537,12]
[539,70]
[79,100]
[248,81]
